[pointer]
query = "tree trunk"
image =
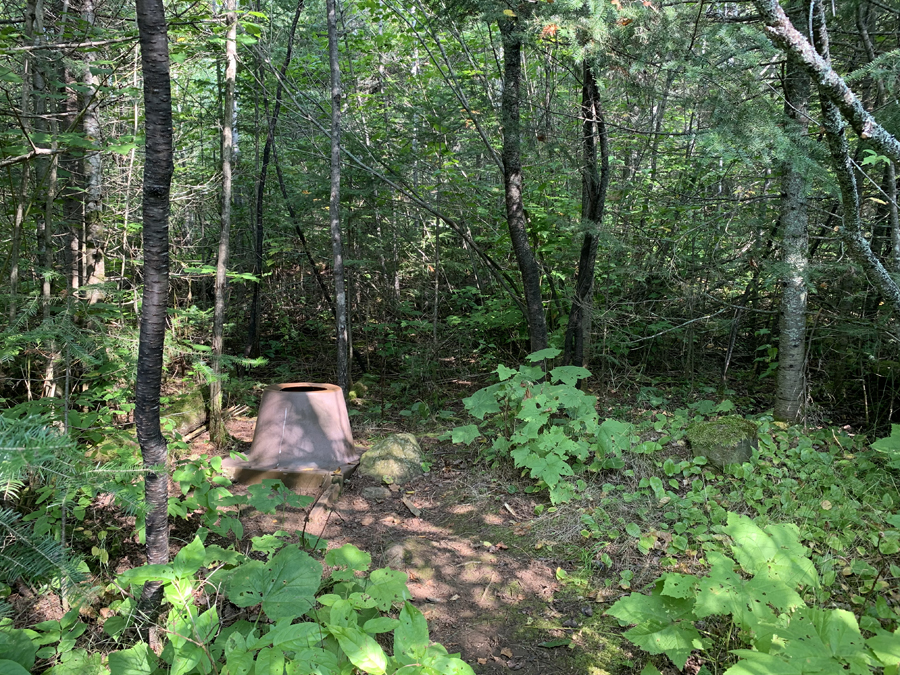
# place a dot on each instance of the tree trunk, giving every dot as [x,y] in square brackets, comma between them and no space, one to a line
[831,85]
[217,433]
[594,184]
[94,263]
[334,207]
[838,99]
[851,232]
[790,392]
[158,170]
[512,182]
[252,346]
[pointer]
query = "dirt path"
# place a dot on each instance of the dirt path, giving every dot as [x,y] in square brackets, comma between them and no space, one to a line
[472,566]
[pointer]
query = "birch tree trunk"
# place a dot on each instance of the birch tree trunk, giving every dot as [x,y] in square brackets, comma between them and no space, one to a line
[158,170]
[94,263]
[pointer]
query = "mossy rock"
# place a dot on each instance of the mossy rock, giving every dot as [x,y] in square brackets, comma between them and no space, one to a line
[186,411]
[729,440]
[397,457]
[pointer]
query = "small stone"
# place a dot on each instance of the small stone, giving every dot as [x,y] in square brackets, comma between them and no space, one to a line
[570,623]
[376,493]
[587,610]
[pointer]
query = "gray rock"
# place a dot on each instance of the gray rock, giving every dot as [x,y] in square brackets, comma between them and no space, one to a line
[730,440]
[376,493]
[398,457]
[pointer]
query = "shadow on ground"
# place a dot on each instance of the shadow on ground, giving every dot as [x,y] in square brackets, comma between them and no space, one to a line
[473,571]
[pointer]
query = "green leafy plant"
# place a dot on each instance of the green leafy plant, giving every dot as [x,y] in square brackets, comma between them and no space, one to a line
[890,447]
[763,589]
[303,624]
[205,492]
[546,425]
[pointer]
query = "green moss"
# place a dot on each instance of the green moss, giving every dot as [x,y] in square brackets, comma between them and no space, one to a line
[186,411]
[722,432]
[601,650]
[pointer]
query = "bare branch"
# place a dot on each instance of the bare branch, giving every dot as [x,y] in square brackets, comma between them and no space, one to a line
[18,159]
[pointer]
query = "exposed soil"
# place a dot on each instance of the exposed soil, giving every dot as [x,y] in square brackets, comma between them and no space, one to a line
[482,577]
[472,565]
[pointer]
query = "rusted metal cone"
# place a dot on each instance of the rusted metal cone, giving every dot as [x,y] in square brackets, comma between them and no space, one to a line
[302,434]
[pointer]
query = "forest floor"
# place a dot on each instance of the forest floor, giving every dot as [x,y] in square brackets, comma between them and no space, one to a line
[478,569]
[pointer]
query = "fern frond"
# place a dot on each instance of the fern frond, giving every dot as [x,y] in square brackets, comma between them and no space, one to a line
[28,556]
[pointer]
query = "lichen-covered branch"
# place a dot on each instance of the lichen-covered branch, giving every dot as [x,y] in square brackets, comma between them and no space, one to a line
[831,85]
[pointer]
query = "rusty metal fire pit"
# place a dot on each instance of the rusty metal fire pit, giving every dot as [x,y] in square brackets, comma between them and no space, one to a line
[302,437]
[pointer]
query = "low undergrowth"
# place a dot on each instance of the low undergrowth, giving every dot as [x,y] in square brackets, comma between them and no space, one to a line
[750,569]
[624,512]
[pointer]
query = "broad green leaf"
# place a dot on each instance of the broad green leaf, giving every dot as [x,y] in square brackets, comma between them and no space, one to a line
[238,663]
[505,373]
[342,614]
[350,557]
[8,667]
[189,559]
[483,402]
[543,355]
[78,662]
[890,443]
[822,641]
[637,608]
[724,592]
[411,636]
[778,557]
[141,575]
[269,661]
[267,543]
[218,554]
[286,585]
[316,661]
[449,665]
[362,650]
[15,645]
[886,647]
[386,587]
[614,436]
[186,632]
[650,669]
[757,663]
[679,585]
[137,660]
[380,624]
[361,601]
[569,375]
[465,434]
[662,623]
[295,636]
[675,640]
[263,498]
